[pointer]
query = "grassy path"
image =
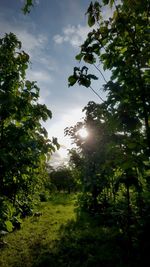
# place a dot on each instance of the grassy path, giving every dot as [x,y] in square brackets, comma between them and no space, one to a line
[58,239]
[30,245]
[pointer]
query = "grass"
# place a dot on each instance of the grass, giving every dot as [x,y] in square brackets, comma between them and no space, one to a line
[58,238]
[37,234]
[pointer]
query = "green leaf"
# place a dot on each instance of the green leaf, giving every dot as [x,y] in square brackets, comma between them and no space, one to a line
[89,58]
[91,76]
[27,6]
[105,2]
[90,9]
[96,48]
[9,226]
[79,56]
[123,50]
[111,3]
[85,82]
[91,20]
[72,80]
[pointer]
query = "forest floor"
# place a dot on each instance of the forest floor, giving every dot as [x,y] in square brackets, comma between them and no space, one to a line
[58,238]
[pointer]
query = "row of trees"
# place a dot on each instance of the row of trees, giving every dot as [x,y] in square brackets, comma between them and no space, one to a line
[24,144]
[114,160]
[62,179]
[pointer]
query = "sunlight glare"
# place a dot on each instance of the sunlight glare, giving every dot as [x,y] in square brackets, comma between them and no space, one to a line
[83,132]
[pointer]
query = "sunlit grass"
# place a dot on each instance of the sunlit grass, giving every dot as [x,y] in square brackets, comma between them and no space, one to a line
[37,233]
[59,238]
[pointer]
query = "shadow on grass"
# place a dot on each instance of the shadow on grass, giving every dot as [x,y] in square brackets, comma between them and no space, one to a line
[85,244]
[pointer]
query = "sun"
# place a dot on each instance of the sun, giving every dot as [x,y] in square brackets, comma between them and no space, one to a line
[83,133]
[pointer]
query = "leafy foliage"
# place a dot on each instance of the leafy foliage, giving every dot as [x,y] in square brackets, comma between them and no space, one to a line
[116,154]
[63,180]
[81,76]
[27,6]
[24,143]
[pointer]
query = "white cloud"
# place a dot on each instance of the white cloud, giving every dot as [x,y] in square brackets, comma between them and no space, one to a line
[68,118]
[76,35]
[30,41]
[72,35]
[58,39]
[39,76]
[48,61]
[58,160]
[33,43]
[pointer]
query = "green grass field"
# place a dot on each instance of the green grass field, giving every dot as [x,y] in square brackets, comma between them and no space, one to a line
[37,237]
[59,238]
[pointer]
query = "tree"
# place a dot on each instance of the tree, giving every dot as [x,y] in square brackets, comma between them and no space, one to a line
[24,142]
[92,154]
[121,44]
[63,179]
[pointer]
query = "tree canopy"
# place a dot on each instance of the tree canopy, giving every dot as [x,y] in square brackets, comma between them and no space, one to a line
[120,44]
[24,142]
[116,154]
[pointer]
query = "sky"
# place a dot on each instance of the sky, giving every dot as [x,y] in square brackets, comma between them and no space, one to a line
[52,34]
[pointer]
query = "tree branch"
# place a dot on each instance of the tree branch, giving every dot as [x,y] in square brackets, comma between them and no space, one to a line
[97,94]
[101,73]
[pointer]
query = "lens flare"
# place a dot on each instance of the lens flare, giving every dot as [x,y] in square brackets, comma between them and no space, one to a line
[83,133]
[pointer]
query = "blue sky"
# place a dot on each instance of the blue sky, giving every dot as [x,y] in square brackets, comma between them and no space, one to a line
[51,34]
